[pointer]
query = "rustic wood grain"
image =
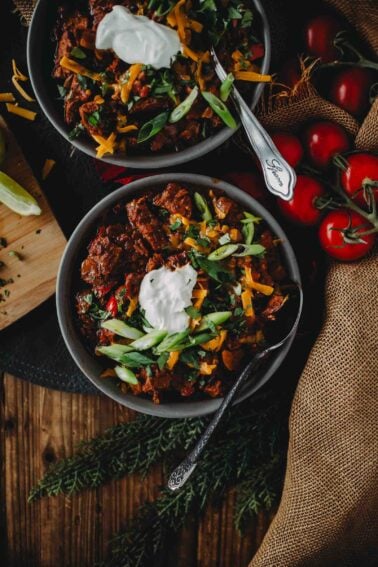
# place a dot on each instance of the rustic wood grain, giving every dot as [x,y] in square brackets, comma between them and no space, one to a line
[34,277]
[40,425]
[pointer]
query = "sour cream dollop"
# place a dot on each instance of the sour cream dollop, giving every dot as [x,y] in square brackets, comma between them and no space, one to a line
[137,39]
[164,295]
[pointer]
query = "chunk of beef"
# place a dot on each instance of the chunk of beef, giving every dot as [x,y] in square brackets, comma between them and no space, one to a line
[88,325]
[155,262]
[226,209]
[165,139]
[76,96]
[147,224]
[97,119]
[191,131]
[177,260]
[132,284]
[68,32]
[104,262]
[175,199]
[63,49]
[151,105]
[275,303]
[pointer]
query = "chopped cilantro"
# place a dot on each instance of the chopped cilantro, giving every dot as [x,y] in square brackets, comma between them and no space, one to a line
[175,225]
[75,132]
[193,312]
[78,53]
[94,118]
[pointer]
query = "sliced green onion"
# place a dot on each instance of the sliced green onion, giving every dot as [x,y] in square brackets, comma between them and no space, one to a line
[216,318]
[196,340]
[150,340]
[152,127]
[136,360]
[120,328]
[171,341]
[251,250]
[219,108]
[114,351]
[226,87]
[248,231]
[184,107]
[202,206]
[223,252]
[224,239]
[126,375]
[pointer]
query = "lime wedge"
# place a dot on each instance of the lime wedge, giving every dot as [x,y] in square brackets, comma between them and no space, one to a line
[16,197]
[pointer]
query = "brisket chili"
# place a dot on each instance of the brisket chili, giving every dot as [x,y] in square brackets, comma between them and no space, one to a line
[92,83]
[167,228]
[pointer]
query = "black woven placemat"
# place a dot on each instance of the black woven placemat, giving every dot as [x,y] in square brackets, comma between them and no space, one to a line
[33,348]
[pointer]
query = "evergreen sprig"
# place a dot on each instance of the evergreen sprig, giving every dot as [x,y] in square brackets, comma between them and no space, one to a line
[248,452]
[124,449]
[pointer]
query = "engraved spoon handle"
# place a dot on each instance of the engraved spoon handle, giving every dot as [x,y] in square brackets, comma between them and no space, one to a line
[181,473]
[279,176]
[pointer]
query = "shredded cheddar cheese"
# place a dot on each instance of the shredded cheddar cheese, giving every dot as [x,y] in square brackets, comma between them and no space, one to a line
[206,369]
[262,288]
[199,295]
[7,97]
[252,76]
[173,359]
[216,343]
[246,298]
[17,73]
[106,145]
[19,111]
[133,73]
[47,167]
[75,67]
[132,306]
[126,129]
[195,55]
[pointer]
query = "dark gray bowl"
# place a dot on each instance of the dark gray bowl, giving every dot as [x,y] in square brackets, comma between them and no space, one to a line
[40,51]
[68,275]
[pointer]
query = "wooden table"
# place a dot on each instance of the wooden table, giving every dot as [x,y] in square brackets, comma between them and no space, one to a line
[37,427]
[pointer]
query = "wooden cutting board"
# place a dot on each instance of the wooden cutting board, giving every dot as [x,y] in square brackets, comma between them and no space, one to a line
[37,239]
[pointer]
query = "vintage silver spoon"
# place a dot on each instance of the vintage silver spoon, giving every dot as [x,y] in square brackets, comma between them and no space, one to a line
[181,474]
[280,177]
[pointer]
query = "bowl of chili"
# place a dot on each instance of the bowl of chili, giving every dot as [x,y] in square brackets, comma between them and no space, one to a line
[242,261]
[167,116]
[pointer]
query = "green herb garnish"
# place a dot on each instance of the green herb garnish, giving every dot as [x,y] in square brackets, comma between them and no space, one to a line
[152,127]
[78,53]
[220,109]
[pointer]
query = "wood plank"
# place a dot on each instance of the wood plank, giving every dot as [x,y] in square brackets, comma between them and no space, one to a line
[38,239]
[39,426]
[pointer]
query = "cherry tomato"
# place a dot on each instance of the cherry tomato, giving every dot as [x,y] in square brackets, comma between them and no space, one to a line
[323,140]
[302,209]
[289,146]
[319,35]
[362,168]
[112,306]
[350,90]
[338,239]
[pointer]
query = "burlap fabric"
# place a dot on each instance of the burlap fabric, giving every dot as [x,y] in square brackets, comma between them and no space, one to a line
[328,515]
[363,15]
